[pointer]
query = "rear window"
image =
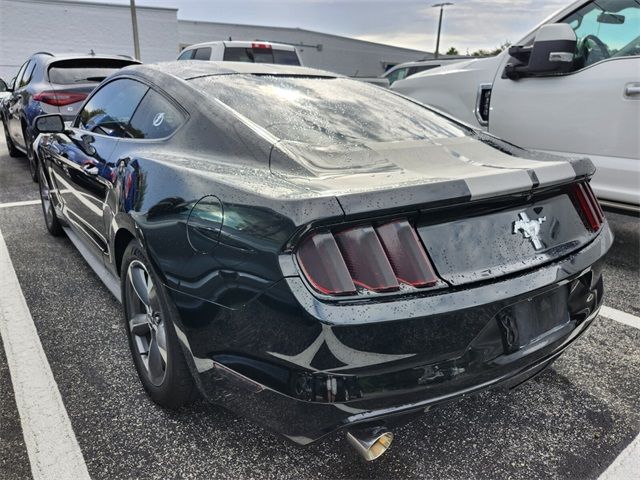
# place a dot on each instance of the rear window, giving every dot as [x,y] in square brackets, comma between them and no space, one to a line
[202,54]
[85,70]
[326,111]
[260,55]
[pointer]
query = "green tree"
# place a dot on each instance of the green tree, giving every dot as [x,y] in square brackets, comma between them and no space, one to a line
[452,51]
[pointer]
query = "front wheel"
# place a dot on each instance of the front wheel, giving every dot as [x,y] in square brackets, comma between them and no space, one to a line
[50,217]
[154,345]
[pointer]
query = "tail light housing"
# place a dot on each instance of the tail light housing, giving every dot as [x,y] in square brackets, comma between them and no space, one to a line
[588,205]
[59,99]
[374,258]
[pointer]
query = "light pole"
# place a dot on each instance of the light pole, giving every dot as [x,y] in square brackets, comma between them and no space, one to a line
[134,22]
[441,5]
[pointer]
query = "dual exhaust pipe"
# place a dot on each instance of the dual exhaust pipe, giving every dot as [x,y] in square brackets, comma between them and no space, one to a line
[370,442]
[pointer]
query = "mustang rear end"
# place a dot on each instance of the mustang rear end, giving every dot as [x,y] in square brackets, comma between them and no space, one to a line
[383,318]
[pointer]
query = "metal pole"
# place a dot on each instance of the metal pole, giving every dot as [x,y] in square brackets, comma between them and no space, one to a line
[134,23]
[439,28]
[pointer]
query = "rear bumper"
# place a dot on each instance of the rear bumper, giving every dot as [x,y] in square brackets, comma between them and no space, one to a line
[305,368]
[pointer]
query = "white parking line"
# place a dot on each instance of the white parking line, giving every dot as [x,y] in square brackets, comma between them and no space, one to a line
[51,443]
[620,316]
[627,465]
[19,204]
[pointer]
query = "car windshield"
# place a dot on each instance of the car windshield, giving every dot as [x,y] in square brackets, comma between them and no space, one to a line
[91,70]
[326,111]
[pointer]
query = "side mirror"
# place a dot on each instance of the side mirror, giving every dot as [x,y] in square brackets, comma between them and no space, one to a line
[49,123]
[3,86]
[552,53]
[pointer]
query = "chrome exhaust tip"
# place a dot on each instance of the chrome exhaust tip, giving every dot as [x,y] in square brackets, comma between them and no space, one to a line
[370,442]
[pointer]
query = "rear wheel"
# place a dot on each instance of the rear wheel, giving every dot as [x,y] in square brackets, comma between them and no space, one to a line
[13,151]
[154,345]
[50,217]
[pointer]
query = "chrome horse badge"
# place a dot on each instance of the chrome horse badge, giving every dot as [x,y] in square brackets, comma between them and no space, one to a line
[530,229]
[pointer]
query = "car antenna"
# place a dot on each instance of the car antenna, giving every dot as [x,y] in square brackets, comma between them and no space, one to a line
[92,53]
[229,37]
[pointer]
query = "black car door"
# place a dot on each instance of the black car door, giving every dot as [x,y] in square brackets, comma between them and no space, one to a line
[82,166]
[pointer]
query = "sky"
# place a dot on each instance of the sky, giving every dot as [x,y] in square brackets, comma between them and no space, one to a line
[467,25]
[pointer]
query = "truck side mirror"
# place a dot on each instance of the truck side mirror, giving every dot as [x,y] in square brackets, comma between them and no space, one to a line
[552,53]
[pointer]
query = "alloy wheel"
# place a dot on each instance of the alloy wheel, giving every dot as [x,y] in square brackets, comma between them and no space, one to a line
[45,197]
[145,322]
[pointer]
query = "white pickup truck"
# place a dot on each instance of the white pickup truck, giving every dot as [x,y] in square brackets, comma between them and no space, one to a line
[571,86]
[243,51]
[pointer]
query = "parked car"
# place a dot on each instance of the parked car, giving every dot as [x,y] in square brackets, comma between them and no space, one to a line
[407,69]
[48,83]
[317,253]
[241,51]
[571,86]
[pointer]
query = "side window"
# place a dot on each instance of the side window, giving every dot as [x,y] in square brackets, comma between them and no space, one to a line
[28,73]
[397,75]
[156,117]
[605,29]
[186,55]
[16,82]
[202,54]
[109,110]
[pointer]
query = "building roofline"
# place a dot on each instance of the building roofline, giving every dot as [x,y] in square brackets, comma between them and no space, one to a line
[298,29]
[99,4]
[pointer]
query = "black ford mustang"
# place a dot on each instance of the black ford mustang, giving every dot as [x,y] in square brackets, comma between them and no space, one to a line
[319,253]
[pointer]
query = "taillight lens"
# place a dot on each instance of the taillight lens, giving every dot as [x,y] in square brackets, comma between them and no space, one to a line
[365,258]
[376,259]
[589,205]
[323,265]
[59,99]
[406,254]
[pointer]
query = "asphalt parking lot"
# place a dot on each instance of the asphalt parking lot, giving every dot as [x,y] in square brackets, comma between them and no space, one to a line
[572,421]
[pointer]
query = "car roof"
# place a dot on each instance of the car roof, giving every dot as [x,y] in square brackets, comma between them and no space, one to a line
[242,44]
[188,69]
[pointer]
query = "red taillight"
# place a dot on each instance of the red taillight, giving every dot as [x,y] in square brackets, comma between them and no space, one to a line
[261,46]
[366,260]
[376,259]
[59,99]
[406,254]
[589,205]
[324,266]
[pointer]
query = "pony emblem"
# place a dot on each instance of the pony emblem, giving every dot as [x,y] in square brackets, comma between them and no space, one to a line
[530,228]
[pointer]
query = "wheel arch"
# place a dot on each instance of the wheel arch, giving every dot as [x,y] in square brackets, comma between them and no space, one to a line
[121,239]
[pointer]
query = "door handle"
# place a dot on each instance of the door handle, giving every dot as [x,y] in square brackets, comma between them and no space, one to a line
[632,89]
[90,169]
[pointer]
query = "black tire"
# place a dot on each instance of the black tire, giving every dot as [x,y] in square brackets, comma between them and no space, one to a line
[176,387]
[13,151]
[50,217]
[31,155]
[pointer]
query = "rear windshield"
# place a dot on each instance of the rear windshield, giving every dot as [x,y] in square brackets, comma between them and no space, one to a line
[84,70]
[260,55]
[326,111]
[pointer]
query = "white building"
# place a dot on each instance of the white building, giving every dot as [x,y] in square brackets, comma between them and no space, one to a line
[59,26]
